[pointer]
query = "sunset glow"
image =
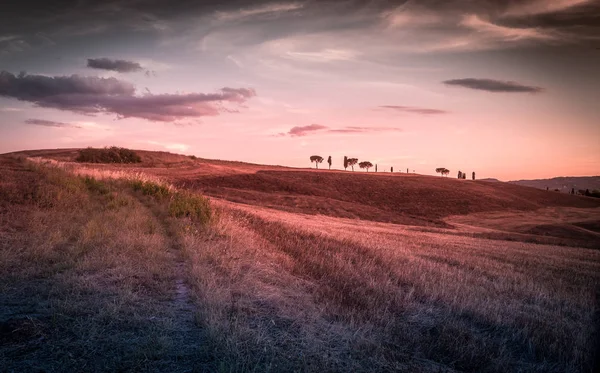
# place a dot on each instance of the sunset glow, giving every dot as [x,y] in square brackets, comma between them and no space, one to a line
[507,89]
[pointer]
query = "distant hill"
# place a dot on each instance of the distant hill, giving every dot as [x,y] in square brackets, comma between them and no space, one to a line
[563,184]
[491,180]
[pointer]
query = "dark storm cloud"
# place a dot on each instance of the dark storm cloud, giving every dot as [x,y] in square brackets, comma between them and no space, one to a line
[93,95]
[415,110]
[121,66]
[491,85]
[50,123]
[39,87]
[318,128]
[435,26]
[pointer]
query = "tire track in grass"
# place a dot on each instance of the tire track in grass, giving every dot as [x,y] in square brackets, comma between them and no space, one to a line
[188,338]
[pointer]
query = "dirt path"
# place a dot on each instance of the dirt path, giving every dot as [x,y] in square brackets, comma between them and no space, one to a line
[187,337]
[88,285]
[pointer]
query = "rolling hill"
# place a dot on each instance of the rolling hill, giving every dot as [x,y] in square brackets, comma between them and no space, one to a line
[396,198]
[563,184]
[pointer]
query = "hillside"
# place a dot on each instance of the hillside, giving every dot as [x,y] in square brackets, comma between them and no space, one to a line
[105,268]
[385,197]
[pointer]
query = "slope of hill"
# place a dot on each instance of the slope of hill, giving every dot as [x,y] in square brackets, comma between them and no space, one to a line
[563,184]
[103,274]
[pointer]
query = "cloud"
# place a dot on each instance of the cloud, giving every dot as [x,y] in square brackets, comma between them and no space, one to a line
[305,130]
[12,44]
[170,146]
[416,110]
[398,24]
[5,38]
[505,33]
[39,87]
[50,123]
[325,55]
[10,109]
[261,10]
[353,129]
[121,66]
[491,85]
[543,7]
[299,131]
[410,14]
[94,95]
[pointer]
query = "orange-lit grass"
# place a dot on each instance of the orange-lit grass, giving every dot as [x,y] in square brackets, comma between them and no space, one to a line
[279,291]
[298,292]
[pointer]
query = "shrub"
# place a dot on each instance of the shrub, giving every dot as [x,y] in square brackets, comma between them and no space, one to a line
[108,155]
[189,205]
[193,157]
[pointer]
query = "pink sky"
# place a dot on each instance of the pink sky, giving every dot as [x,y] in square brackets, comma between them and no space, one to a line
[508,90]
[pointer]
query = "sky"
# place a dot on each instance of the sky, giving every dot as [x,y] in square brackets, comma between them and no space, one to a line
[508,89]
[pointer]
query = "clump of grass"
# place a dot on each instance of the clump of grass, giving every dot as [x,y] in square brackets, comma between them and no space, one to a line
[192,206]
[118,200]
[95,186]
[108,155]
[149,188]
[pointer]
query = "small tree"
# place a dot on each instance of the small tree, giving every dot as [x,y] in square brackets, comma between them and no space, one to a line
[407,170]
[329,161]
[392,169]
[352,162]
[366,164]
[317,159]
[473,175]
[376,168]
[345,162]
[443,171]
[460,174]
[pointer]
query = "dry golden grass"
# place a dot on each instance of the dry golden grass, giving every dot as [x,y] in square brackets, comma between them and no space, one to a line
[101,173]
[392,298]
[108,271]
[88,278]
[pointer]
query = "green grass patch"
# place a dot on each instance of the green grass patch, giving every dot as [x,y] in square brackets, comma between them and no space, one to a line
[149,188]
[95,186]
[192,206]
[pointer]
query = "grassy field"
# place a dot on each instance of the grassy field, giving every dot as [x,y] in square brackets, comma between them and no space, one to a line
[127,268]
